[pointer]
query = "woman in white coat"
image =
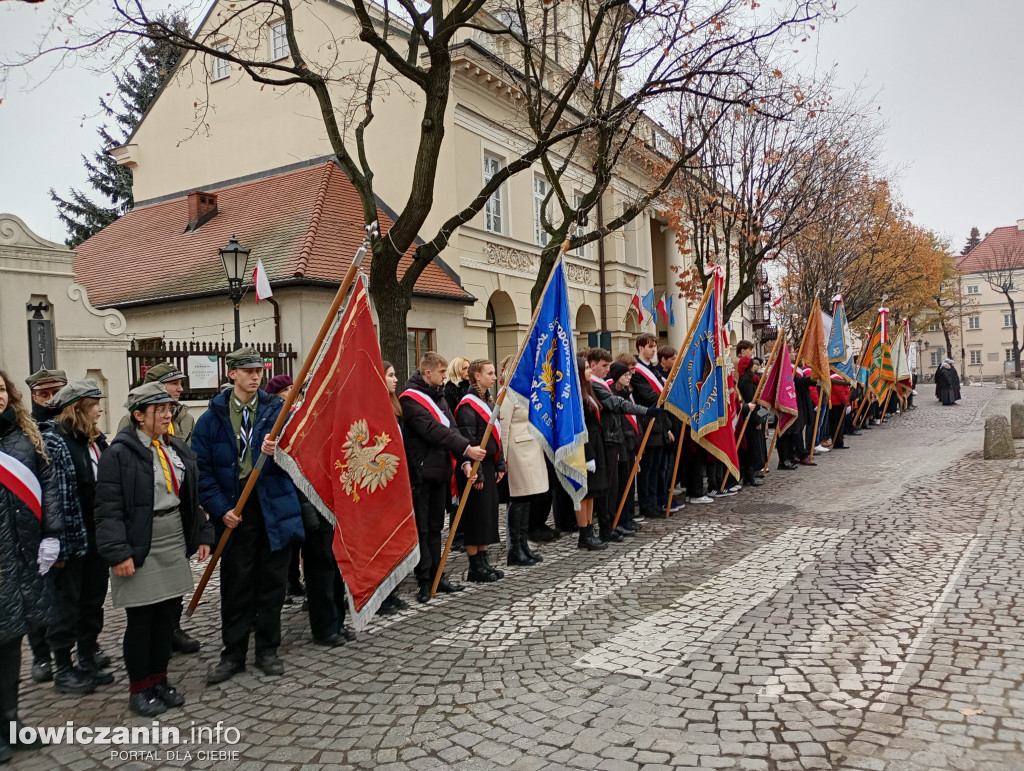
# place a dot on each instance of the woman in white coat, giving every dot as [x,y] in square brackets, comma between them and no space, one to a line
[526,473]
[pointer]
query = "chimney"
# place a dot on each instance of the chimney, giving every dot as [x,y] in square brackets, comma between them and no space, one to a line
[202,207]
[1020,226]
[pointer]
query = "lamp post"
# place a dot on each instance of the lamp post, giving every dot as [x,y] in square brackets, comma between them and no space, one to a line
[236,259]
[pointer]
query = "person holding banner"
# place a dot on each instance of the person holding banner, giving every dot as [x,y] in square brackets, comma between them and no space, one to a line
[30,532]
[596,462]
[472,415]
[753,450]
[432,445]
[228,441]
[647,386]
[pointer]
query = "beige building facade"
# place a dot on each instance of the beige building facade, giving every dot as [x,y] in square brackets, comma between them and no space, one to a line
[47,319]
[248,129]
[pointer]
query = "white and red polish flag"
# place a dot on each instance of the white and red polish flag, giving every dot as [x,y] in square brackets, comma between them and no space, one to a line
[261,282]
[19,479]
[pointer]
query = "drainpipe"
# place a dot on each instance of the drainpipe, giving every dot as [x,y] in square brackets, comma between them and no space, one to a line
[277,320]
[600,266]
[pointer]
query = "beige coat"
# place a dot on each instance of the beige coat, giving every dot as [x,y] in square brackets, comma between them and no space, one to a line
[527,471]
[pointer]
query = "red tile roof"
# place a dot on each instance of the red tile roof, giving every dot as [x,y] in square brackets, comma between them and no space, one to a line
[303,224]
[1002,248]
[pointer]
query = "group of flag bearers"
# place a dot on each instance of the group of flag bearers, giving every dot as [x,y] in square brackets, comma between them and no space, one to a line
[379,470]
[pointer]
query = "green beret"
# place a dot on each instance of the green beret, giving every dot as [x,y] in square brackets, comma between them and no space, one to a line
[244,358]
[73,392]
[163,373]
[46,378]
[146,394]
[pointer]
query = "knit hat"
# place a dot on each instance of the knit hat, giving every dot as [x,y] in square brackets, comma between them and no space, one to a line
[617,370]
[164,372]
[146,394]
[278,383]
[73,392]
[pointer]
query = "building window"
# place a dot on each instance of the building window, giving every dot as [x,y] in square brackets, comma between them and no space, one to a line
[973,289]
[278,41]
[1007,321]
[492,209]
[577,202]
[974,322]
[1009,354]
[419,341]
[938,355]
[540,193]
[975,356]
[934,327]
[221,67]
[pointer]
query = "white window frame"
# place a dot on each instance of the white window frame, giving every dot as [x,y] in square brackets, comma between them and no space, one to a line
[973,289]
[936,357]
[577,201]
[974,322]
[540,192]
[975,359]
[221,67]
[278,41]
[1007,321]
[1008,353]
[494,216]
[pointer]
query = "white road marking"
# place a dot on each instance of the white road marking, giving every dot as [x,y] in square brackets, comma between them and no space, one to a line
[666,639]
[503,628]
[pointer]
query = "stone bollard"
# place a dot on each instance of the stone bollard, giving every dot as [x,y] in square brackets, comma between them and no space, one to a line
[1017,420]
[1020,385]
[1011,384]
[998,439]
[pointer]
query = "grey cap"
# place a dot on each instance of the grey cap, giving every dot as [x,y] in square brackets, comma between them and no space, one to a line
[73,392]
[46,378]
[244,358]
[163,373]
[146,394]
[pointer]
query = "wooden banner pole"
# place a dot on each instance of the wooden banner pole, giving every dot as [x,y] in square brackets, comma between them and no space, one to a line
[675,471]
[669,382]
[282,416]
[817,419]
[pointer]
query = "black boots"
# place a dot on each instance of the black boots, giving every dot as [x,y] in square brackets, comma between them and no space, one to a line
[516,534]
[183,642]
[588,541]
[88,664]
[68,679]
[478,572]
[423,593]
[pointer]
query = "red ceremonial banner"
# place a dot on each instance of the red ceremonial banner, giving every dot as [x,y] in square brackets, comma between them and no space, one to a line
[344,451]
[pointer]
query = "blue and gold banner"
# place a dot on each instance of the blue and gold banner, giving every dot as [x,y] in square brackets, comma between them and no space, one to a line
[547,383]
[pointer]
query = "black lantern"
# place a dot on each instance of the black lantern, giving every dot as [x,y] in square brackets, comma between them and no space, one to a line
[236,260]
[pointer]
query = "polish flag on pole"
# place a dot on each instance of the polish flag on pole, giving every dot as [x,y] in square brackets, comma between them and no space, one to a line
[261,282]
[662,310]
[635,302]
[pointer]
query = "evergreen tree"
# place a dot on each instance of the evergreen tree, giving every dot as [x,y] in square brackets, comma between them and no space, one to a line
[972,241]
[135,91]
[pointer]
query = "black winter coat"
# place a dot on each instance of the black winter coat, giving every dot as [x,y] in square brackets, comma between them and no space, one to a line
[428,442]
[645,395]
[453,393]
[124,501]
[25,596]
[614,409]
[597,480]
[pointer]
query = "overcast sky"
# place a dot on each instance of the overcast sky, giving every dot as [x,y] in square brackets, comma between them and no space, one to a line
[947,74]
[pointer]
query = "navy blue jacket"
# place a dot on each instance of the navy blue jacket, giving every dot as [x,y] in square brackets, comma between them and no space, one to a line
[216,447]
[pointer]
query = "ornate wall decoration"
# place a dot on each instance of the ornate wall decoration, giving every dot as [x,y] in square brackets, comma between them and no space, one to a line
[113,320]
[577,273]
[507,257]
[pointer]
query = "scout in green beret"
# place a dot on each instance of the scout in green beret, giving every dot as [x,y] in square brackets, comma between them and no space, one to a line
[44,385]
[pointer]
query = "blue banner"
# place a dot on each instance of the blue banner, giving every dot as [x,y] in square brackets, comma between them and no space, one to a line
[837,348]
[546,382]
[649,306]
[699,395]
[671,313]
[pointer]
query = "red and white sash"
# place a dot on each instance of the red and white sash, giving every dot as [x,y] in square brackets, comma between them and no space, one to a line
[626,415]
[429,404]
[651,378]
[484,411]
[19,479]
[599,382]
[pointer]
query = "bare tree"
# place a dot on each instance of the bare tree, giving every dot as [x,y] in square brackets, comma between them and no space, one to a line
[1002,265]
[588,86]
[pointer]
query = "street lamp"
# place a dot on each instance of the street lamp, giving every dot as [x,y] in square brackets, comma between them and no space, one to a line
[235,258]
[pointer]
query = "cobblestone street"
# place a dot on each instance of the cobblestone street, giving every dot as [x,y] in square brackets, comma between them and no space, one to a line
[864,614]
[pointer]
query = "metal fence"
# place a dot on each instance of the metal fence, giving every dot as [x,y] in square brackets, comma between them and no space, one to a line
[203,363]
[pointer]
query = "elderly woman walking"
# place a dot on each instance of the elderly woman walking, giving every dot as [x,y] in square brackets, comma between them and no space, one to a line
[29,545]
[148,523]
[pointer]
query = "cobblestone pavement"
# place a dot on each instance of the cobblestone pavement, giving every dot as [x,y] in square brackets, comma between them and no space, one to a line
[867,614]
